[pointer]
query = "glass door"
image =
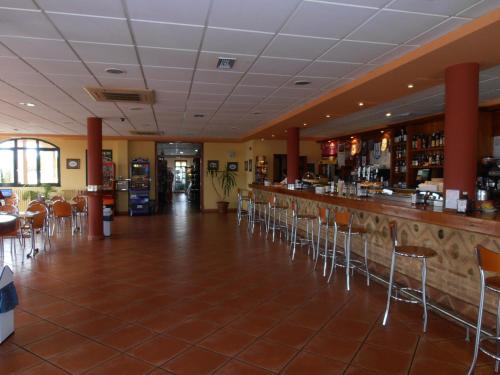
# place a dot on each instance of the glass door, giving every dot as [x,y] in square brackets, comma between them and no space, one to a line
[180,175]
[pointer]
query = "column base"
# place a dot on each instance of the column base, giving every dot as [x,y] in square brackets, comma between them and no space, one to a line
[95,237]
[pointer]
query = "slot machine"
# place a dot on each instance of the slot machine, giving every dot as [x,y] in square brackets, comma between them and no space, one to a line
[140,184]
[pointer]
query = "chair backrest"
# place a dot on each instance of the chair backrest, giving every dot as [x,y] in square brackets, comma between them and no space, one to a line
[324,214]
[294,206]
[488,260]
[272,200]
[38,221]
[393,229]
[61,209]
[57,198]
[81,203]
[8,209]
[343,218]
[251,195]
[13,200]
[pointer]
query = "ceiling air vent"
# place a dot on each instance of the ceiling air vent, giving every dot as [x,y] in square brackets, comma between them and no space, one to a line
[103,94]
[146,132]
[225,63]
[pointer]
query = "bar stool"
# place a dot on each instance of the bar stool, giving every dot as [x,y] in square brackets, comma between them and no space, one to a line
[488,261]
[343,225]
[297,218]
[276,210]
[325,223]
[242,212]
[257,212]
[415,252]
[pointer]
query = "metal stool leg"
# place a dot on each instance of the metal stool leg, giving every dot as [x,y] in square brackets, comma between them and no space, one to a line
[424,297]
[348,260]
[326,253]
[332,268]
[294,236]
[366,261]
[478,327]
[497,362]
[389,292]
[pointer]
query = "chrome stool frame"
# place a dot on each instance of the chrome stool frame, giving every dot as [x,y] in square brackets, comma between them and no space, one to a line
[488,261]
[323,222]
[275,210]
[257,212]
[415,252]
[296,218]
[343,224]
[241,211]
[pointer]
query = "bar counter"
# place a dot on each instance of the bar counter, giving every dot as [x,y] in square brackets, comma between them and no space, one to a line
[453,276]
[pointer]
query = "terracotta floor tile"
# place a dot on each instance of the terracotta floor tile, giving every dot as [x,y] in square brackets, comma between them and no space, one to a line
[33,332]
[54,308]
[97,327]
[7,347]
[192,330]
[123,365]
[235,367]
[126,337]
[190,307]
[75,317]
[17,360]
[253,325]
[333,347]
[350,329]
[289,334]
[158,350]
[356,370]
[428,367]
[393,338]
[268,355]
[162,321]
[83,357]
[227,341]
[56,344]
[23,318]
[195,361]
[44,368]
[220,315]
[383,360]
[308,363]
[272,310]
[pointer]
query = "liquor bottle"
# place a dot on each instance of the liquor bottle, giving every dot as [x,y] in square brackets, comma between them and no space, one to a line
[405,135]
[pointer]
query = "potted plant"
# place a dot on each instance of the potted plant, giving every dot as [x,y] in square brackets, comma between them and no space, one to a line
[226,181]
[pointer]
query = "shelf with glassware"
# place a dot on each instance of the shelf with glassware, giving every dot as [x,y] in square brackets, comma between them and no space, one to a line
[399,158]
[261,168]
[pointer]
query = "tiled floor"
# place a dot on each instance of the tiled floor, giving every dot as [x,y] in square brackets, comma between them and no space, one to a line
[194,294]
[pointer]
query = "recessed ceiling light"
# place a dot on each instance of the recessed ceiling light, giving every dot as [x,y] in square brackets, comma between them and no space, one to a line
[328,116]
[382,132]
[286,131]
[352,137]
[305,124]
[196,150]
[114,71]
[302,83]
[170,143]
[181,152]
[136,109]
[262,139]
[361,104]
[272,135]
[28,104]
[256,113]
[225,63]
[388,114]
[199,115]
[410,85]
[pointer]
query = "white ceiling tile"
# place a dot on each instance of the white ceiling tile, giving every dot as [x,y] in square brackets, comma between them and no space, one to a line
[328,69]
[180,11]
[13,64]
[26,23]
[192,104]
[292,92]
[443,7]
[393,54]
[208,61]
[354,51]
[244,99]
[206,88]
[122,82]
[207,97]
[154,34]
[21,4]
[72,81]
[92,29]
[168,74]
[481,8]
[168,85]
[403,26]
[167,57]
[272,80]
[217,76]
[315,82]
[261,91]
[326,20]
[448,25]
[297,47]
[107,53]
[171,97]
[368,3]
[58,67]
[108,8]
[261,15]
[235,41]
[39,48]
[276,65]
[358,72]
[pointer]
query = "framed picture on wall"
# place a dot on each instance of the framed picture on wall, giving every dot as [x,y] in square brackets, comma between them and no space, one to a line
[246,165]
[213,165]
[107,155]
[72,163]
[249,165]
[232,166]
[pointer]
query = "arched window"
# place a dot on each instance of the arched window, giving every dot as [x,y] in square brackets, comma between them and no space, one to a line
[28,161]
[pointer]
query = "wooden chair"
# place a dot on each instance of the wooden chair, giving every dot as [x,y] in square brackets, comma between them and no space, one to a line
[38,225]
[61,210]
[9,209]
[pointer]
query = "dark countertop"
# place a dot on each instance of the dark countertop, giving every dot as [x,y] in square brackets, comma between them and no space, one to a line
[475,221]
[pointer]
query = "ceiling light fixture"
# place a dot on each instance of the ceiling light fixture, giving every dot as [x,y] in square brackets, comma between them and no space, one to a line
[305,124]
[328,116]
[272,135]
[256,113]
[196,150]
[114,71]
[199,115]
[262,139]
[170,143]
[410,85]
[286,131]
[136,109]
[361,104]
[28,104]
[181,152]
[302,83]
[388,114]
[225,63]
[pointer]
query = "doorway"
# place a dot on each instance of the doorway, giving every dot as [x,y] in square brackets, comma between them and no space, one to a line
[178,177]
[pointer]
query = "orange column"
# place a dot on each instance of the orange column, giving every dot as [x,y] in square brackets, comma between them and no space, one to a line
[461,127]
[292,155]
[94,173]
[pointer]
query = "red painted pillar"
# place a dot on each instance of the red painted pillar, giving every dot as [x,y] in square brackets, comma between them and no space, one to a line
[461,127]
[292,155]
[94,173]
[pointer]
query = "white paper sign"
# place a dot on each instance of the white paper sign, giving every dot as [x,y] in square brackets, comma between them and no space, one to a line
[452,196]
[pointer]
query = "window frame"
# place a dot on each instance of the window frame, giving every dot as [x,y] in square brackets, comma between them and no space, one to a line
[38,164]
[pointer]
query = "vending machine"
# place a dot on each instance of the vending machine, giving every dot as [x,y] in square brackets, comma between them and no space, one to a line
[108,184]
[140,183]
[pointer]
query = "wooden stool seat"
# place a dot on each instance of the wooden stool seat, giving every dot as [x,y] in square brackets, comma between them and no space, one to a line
[306,217]
[493,282]
[415,251]
[355,229]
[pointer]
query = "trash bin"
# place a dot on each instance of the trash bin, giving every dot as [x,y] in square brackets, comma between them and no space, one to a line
[8,301]
[107,218]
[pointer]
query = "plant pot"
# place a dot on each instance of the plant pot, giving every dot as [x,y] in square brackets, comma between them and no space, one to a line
[222,207]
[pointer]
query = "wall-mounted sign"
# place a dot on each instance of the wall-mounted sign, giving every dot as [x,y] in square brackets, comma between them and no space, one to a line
[329,149]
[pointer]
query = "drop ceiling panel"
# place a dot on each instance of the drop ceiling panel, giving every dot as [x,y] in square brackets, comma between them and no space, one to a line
[39,48]
[326,20]
[167,57]
[106,53]
[215,76]
[21,4]
[441,29]
[393,54]
[276,65]
[217,98]
[404,26]
[480,8]
[443,7]
[24,79]
[13,65]
[292,92]
[171,97]
[129,71]
[328,69]
[208,60]
[58,67]
[244,99]
[92,29]
[123,83]
[297,47]
[162,85]
[154,34]
[235,41]
[261,91]
[315,82]
[72,81]
[244,14]
[355,51]
[271,80]
[26,23]
[108,8]
[180,11]
[201,87]
[170,74]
